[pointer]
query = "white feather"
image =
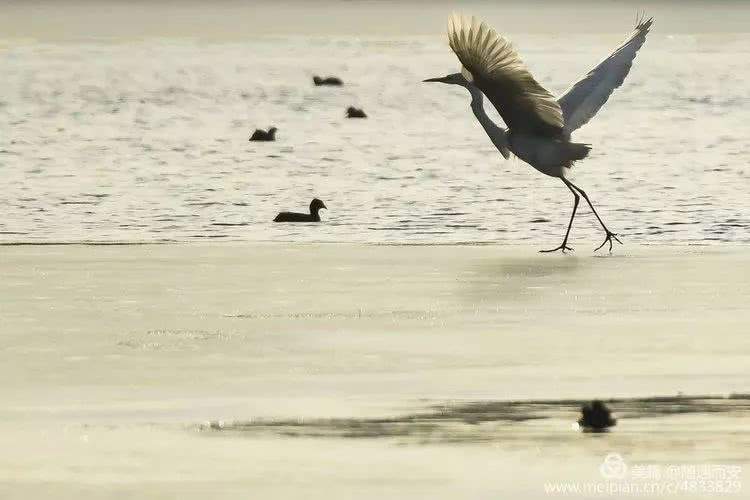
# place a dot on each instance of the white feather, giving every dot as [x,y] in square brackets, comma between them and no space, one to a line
[582,101]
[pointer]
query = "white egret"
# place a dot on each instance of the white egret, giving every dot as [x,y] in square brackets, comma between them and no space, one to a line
[539,126]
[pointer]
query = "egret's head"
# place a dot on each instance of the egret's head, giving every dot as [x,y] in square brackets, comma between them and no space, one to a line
[453,79]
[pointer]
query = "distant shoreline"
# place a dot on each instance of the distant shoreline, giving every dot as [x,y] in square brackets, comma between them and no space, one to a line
[233,20]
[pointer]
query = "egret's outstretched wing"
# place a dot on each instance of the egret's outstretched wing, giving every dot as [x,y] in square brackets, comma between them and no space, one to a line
[491,62]
[581,102]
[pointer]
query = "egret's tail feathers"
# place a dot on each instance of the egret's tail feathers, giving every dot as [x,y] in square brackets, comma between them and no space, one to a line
[576,151]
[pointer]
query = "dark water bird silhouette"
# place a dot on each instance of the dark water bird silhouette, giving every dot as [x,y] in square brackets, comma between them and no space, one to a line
[539,125]
[330,81]
[263,136]
[313,216]
[352,112]
[596,417]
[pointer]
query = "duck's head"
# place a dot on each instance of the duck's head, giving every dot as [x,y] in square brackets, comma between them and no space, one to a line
[599,407]
[316,205]
[272,131]
[317,80]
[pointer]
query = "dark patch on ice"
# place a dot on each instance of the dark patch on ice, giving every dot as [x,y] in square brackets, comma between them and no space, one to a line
[476,420]
[204,203]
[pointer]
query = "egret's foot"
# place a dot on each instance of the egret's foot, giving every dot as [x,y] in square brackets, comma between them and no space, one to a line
[608,239]
[563,247]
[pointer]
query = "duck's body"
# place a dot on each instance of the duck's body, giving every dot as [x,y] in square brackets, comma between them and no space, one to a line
[264,136]
[596,417]
[331,81]
[352,112]
[313,216]
[296,217]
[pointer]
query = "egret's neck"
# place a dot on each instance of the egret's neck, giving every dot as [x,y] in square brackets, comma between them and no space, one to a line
[477,98]
[495,133]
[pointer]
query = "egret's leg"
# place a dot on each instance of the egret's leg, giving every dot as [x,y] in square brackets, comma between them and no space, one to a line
[564,246]
[610,234]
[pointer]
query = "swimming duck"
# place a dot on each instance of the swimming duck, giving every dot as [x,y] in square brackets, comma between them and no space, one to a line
[331,80]
[596,417]
[313,216]
[352,112]
[262,135]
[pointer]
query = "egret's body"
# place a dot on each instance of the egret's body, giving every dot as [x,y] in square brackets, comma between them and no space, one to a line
[539,125]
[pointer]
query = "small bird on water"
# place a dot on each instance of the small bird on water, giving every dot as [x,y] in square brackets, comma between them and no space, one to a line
[595,416]
[330,81]
[539,125]
[352,112]
[263,136]
[313,216]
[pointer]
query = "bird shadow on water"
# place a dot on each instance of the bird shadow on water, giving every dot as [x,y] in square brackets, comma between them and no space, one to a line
[531,267]
[519,278]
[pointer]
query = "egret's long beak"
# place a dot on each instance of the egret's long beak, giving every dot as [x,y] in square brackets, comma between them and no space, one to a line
[440,79]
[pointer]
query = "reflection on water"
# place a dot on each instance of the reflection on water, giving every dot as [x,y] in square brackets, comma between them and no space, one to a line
[148,142]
